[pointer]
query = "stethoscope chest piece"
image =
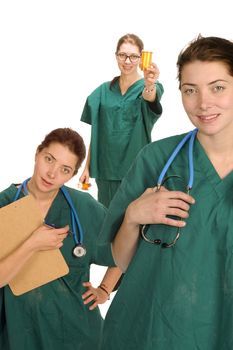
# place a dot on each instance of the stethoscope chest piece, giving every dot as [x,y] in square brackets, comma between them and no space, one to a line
[79,251]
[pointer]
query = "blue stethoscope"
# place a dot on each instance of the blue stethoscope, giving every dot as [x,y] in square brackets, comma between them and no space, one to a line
[79,250]
[162,179]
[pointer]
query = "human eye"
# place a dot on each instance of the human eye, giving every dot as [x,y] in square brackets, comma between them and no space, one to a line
[65,170]
[48,159]
[219,88]
[134,57]
[121,55]
[189,91]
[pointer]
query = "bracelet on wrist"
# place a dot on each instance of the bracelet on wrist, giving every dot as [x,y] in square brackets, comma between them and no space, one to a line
[149,91]
[105,290]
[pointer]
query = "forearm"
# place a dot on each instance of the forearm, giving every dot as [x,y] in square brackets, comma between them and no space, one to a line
[84,178]
[125,244]
[87,165]
[13,263]
[111,278]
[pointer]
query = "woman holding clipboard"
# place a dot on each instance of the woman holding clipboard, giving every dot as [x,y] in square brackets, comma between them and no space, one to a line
[53,316]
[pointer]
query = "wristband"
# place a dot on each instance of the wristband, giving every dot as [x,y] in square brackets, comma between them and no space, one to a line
[149,91]
[105,290]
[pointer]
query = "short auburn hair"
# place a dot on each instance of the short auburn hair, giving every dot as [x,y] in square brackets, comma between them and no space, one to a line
[69,138]
[206,49]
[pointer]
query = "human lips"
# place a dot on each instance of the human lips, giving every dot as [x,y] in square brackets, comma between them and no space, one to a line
[46,183]
[127,67]
[208,118]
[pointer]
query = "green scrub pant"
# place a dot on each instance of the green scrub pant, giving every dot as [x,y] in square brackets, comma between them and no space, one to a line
[106,190]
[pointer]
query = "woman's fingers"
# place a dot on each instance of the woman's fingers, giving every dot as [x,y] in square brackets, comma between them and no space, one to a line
[47,237]
[89,299]
[181,195]
[154,206]
[93,306]
[172,222]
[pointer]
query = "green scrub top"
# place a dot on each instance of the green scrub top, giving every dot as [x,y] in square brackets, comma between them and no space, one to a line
[121,126]
[53,316]
[179,298]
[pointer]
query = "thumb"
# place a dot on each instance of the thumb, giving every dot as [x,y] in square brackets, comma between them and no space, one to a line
[163,189]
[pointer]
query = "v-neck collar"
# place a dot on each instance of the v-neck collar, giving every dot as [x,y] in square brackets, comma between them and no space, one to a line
[204,165]
[129,89]
[58,207]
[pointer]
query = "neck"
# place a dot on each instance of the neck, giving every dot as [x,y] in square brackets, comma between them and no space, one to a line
[129,79]
[39,195]
[126,81]
[217,144]
[219,150]
[44,200]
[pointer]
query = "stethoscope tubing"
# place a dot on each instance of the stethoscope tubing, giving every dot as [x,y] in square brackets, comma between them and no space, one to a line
[74,218]
[74,215]
[161,180]
[190,136]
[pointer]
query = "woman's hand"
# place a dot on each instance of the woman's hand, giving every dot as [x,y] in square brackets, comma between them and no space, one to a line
[94,295]
[46,237]
[151,75]
[154,207]
[84,178]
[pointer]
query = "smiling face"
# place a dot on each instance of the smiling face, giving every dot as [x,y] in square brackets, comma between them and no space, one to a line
[207,96]
[54,166]
[126,66]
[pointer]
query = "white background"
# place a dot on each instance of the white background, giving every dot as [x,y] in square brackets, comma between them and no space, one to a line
[53,53]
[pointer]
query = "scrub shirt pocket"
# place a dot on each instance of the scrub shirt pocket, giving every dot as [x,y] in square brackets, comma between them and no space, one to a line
[120,118]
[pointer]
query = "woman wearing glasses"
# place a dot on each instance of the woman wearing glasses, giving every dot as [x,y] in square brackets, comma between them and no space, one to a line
[177,291]
[122,114]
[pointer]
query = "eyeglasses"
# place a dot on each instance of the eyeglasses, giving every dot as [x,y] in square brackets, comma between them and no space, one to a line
[122,56]
[158,241]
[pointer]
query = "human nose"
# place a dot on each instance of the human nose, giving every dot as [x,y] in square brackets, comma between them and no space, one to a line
[205,100]
[52,171]
[127,59]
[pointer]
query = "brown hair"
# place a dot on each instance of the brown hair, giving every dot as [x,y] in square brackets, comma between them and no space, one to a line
[208,49]
[131,39]
[69,138]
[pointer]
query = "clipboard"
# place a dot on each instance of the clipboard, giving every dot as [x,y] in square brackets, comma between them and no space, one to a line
[17,221]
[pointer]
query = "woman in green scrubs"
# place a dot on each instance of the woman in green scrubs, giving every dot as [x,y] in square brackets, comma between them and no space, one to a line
[122,114]
[179,298]
[53,316]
